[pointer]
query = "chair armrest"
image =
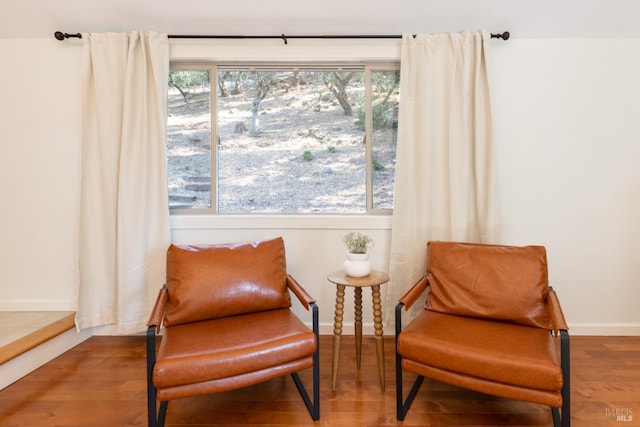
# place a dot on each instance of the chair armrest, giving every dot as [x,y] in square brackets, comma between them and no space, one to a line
[157,314]
[412,295]
[299,292]
[408,299]
[555,311]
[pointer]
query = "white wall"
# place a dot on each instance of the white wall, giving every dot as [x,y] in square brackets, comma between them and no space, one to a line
[566,116]
[39,157]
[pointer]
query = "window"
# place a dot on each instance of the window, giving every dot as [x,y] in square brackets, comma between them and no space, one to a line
[293,139]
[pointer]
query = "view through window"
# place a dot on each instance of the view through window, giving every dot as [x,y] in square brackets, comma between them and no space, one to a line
[285,140]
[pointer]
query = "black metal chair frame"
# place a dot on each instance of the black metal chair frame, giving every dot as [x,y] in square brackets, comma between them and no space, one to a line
[157,415]
[561,418]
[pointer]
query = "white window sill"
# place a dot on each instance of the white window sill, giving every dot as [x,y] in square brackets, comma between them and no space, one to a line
[302,221]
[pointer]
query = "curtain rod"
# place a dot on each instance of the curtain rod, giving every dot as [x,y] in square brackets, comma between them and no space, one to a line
[62,36]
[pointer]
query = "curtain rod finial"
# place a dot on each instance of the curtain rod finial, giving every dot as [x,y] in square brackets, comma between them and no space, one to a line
[59,35]
[504,35]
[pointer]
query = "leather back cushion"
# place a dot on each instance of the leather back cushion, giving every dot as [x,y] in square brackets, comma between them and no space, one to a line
[507,283]
[213,281]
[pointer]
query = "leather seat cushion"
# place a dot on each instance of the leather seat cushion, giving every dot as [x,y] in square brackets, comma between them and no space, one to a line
[501,282]
[213,281]
[220,348]
[507,353]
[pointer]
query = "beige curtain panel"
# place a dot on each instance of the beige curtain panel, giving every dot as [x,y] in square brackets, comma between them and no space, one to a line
[445,184]
[124,214]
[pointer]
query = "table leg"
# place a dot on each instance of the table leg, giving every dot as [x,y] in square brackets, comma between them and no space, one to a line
[377,320]
[337,333]
[358,324]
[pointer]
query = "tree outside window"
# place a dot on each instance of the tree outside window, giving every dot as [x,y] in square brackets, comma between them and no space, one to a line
[286,140]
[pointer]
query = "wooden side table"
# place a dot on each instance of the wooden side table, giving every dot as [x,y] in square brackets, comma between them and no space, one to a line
[373,281]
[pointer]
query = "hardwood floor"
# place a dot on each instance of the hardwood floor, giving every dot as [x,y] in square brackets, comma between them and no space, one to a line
[101,382]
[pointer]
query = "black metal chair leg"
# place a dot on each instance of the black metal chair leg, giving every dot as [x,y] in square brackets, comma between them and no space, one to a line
[151,389]
[400,412]
[402,406]
[316,364]
[162,414]
[312,406]
[555,413]
[565,365]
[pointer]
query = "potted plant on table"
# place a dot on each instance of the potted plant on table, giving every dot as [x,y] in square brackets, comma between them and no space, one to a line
[357,263]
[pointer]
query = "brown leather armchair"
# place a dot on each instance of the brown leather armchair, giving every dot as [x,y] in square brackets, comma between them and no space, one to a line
[490,324]
[228,324]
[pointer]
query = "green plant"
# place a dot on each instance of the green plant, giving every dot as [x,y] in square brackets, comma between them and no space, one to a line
[331,149]
[357,243]
[377,166]
[307,156]
[381,117]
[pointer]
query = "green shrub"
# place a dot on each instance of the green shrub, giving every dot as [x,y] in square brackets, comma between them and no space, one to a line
[381,116]
[307,155]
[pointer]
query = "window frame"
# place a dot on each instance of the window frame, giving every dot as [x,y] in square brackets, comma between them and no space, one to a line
[368,67]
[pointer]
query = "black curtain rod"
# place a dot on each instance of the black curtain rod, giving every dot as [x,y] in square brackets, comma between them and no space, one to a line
[62,36]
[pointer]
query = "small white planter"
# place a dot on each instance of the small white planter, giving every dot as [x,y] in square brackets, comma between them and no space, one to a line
[357,265]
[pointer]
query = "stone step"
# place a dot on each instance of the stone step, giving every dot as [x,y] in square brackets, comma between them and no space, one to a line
[199,179]
[181,199]
[197,187]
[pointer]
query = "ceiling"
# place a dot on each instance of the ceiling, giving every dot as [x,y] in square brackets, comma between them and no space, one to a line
[523,18]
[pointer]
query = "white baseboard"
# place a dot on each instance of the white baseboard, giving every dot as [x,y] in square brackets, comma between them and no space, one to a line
[326,328]
[605,329]
[598,329]
[18,367]
[37,305]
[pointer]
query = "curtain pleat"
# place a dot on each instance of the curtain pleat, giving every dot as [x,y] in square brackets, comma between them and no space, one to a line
[124,214]
[445,183]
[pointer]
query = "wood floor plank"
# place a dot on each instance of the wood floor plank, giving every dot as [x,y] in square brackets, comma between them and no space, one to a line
[101,382]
